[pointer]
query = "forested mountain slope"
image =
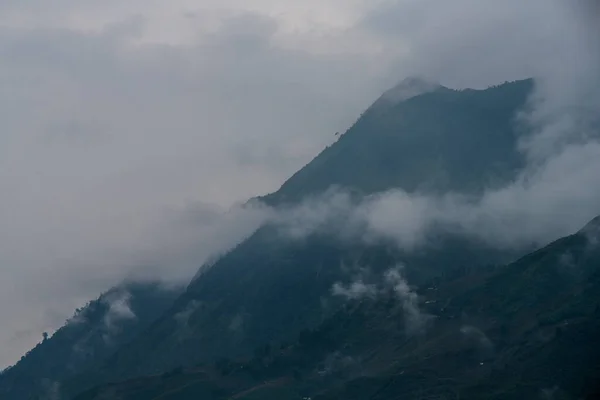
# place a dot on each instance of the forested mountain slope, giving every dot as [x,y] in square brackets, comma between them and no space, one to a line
[524,331]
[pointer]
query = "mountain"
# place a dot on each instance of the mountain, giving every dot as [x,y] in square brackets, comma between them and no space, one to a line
[88,338]
[527,330]
[271,287]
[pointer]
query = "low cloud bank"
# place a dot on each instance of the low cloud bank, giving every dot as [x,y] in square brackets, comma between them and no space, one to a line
[545,203]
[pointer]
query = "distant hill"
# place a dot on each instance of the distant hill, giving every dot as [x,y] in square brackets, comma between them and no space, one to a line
[528,330]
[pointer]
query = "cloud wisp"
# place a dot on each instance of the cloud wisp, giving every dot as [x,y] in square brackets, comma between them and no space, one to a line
[392,281]
[118,311]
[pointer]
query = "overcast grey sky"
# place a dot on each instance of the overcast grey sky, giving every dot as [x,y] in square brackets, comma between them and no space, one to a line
[124,120]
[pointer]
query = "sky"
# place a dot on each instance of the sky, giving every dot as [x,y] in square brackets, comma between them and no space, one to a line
[130,126]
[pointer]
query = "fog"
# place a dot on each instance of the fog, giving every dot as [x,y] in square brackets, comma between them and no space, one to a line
[132,130]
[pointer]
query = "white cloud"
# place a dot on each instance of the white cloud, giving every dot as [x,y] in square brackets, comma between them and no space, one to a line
[415,320]
[399,216]
[392,281]
[118,310]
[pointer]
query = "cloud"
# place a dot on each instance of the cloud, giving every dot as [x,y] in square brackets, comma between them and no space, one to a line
[118,308]
[188,238]
[545,203]
[415,320]
[397,215]
[321,213]
[474,43]
[392,281]
[554,200]
[118,311]
[355,290]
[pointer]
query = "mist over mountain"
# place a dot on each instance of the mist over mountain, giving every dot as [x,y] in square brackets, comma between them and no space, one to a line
[128,125]
[432,250]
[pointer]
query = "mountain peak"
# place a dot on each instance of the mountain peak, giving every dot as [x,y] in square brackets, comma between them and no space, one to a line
[409,87]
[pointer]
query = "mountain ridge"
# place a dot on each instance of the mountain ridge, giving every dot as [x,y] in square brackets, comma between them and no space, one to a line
[379,137]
